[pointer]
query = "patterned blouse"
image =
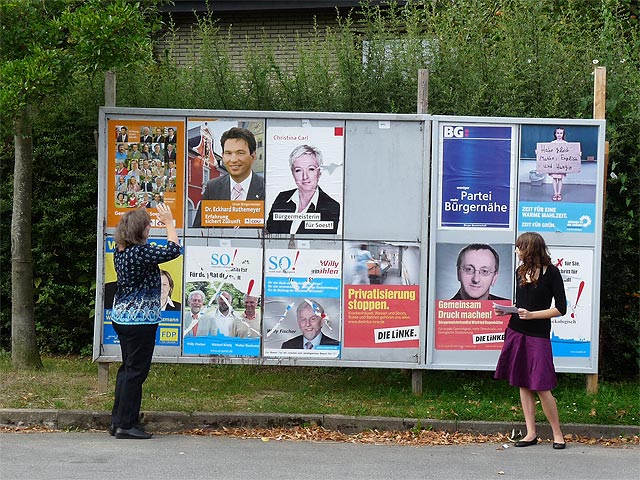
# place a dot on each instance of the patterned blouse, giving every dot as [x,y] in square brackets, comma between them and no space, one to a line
[137,298]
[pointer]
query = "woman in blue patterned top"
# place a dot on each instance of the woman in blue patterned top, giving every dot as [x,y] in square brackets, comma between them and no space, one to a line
[136,311]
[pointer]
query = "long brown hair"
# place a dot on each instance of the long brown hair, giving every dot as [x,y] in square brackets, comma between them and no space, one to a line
[534,255]
[130,229]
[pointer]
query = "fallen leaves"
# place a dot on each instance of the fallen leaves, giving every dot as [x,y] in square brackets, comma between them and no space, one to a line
[376,437]
[372,437]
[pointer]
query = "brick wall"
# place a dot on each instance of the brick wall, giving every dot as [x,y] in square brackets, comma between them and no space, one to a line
[249,28]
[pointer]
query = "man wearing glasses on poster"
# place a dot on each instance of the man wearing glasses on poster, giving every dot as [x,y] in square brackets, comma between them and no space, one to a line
[477,266]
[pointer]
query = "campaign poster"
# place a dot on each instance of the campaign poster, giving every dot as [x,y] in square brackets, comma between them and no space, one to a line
[225,186]
[557,178]
[223,289]
[381,295]
[302,303]
[305,182]
[470,278]
[169,329]
[571,333]
[145,168]
[475,176]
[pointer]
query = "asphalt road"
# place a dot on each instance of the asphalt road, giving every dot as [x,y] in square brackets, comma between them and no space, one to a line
[84,456]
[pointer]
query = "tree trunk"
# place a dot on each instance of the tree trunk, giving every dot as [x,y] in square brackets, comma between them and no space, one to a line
[24,349]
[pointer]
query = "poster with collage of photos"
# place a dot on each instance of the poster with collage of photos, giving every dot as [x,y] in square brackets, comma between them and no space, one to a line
[146,164]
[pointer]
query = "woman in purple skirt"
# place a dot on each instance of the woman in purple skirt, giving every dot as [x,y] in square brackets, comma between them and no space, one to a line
[526,360]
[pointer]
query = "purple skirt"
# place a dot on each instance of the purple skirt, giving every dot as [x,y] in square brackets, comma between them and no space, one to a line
[526,361]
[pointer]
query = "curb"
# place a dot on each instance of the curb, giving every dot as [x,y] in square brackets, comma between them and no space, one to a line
[169,422]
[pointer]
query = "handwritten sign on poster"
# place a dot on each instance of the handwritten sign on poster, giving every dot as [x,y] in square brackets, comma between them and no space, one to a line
[558,157]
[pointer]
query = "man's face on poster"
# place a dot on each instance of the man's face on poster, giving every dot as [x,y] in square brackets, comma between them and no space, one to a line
[306,172]
[195,303]
[237,158]
[250,304]
[224,302]
[309,323]
[477,274]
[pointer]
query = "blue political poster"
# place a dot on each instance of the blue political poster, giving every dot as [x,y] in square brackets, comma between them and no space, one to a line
[476,176]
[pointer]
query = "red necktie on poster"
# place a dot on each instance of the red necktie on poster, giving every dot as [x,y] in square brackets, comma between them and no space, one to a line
[237,192]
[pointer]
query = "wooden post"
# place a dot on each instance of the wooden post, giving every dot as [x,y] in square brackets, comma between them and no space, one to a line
[110,89]
[599,112]
[103,377]
[423,90]
[109,101]
[423,106]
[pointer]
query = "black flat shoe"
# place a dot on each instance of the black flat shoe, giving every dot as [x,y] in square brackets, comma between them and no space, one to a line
[134,433]
[112,429]
[526,443]
[559,446]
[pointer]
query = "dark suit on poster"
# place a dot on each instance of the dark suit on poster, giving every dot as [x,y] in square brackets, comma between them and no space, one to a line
[170,155]
[328,208]
[297,342]
[122,138]
[220,189]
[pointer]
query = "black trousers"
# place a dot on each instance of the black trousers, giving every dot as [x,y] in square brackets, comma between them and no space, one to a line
[136,343]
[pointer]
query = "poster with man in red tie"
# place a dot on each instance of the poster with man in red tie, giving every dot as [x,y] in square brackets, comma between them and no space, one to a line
[223,290]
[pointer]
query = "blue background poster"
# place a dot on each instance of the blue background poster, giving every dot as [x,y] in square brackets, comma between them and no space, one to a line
[476,176]
[295,279]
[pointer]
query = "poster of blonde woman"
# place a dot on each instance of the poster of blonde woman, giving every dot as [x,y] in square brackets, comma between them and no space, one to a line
[304,185]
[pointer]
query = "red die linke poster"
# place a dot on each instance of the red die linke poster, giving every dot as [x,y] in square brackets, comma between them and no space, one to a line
[380,316]
[469,325]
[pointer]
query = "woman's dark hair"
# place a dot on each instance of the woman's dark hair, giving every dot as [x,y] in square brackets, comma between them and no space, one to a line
[534,255]
[564,133]
[131,228]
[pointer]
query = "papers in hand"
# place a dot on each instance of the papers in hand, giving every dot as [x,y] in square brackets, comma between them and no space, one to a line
[505,308]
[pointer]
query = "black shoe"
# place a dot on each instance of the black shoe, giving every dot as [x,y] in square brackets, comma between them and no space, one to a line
[133,433]
[559,446]
[526,443]
[112,429]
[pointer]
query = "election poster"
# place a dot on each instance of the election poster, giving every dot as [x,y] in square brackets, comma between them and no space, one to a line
[225,173]
[470,278]
[168,333]
[475,184]
[558,178]
[223,289]
[381,295]
[305,182]
[571,333]
[302,303]
[145,167]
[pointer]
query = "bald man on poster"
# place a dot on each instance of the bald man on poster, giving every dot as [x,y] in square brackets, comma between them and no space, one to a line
[310,321]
